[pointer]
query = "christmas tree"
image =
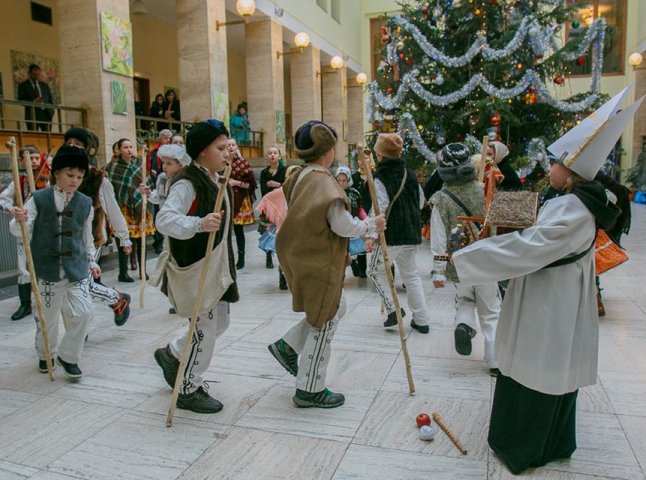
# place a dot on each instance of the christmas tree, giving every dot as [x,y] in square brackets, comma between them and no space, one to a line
[456,70]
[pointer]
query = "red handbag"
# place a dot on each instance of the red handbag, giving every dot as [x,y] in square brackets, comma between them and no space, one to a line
[607,254]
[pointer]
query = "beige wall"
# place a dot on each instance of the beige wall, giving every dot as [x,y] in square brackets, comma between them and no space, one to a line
[19,32]
[154,44]
[237,66]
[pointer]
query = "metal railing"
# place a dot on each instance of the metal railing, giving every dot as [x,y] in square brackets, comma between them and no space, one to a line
[14,113]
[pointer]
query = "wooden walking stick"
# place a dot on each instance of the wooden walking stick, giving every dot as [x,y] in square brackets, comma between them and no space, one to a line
[363,161]
[449,433]
[11,144]
[144,212]
[224,182]
[483,158]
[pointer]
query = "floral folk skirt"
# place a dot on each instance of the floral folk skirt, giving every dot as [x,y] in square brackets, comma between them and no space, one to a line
[245,216]
[134,225]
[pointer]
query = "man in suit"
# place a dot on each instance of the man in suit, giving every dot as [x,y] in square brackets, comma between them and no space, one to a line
[33,90]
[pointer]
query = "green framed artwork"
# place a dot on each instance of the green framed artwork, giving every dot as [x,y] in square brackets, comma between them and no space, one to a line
[280,126]
[118,92]
[116,45]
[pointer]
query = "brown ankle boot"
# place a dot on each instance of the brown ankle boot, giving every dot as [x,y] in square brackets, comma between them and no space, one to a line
[600,308]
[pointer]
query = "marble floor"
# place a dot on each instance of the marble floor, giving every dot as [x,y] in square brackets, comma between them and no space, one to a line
[111,423]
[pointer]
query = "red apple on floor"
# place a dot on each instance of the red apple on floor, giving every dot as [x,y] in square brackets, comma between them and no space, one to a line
[422,419]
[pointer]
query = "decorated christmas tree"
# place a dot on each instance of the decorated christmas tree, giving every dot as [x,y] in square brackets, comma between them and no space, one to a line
[456,70]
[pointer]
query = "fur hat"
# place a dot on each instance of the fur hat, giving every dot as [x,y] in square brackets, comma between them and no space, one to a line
[454,165]
[202,134]
[344,170]
[313,140]
[78,133]
[389,145]
[176,152]
[70,157]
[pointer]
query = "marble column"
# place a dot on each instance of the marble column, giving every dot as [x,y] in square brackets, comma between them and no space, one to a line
[84,83]
[355,112]
[306,86]
[335,107]
[204,87]
[265,81]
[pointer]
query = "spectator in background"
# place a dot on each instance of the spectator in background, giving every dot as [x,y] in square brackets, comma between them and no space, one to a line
[33,90]
[155,169]
[177,139]
[157,110]
[239,124]
[171,111]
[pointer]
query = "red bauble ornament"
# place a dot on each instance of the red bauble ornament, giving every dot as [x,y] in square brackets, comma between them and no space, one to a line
[580,61]
[424,9]
[422,419]
[389,90]
[385,39]
[559,79]
[401,56]
[495,119]
[408,60]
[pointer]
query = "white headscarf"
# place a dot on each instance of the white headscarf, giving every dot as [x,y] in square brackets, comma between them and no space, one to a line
[344,170]
[500,151]
[177,152]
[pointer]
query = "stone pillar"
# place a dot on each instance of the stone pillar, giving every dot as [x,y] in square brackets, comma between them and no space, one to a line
[639,125]
[355,112]
[204,87]
[306,87]
[265,82]
[335,107]
[84,82]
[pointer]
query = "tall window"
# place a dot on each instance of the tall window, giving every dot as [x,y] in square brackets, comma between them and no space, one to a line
[614,11]
[336,10]
[322,4]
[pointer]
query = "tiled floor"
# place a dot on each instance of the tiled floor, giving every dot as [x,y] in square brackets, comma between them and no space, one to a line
[111,424]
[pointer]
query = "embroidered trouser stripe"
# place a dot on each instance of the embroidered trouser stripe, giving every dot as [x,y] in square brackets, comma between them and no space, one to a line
[375,264]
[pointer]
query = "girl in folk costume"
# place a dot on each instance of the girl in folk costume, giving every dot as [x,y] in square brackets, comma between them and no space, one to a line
[312,249]
[7,203]
[401,198]
[243,184]
[271,178]
[548,333]
[59,222]
[273,208]
[125,175]
[357,244]
[107,215]
[186,218]
[462,195]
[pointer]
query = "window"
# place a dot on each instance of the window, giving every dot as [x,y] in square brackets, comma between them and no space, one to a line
[614,11]
[336,10]
[322,4]
[41,13]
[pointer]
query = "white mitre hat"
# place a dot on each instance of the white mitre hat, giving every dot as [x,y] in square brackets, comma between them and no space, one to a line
[584,148]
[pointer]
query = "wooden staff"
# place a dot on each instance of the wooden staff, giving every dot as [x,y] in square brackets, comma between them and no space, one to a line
[483,158]
[144,212]
[224,182]
[11,144]
[363,161]
[449,433]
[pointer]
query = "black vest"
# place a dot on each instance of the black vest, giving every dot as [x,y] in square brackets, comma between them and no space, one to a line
[53,242]
[187,252]
[404,219]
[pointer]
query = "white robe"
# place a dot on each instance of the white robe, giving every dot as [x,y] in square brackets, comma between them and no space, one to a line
[548,332]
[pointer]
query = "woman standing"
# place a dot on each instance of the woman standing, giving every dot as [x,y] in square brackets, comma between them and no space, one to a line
[271,178]
[125,175]
[243,184]
[171,111]
[157,110]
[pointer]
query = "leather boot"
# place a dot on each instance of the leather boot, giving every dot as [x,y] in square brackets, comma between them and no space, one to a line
[601,309]
[282,281]
[123,267]
[240,263]
[24,294]
[269,262]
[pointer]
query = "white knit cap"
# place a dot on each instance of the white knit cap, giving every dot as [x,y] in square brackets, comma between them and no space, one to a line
[177,152]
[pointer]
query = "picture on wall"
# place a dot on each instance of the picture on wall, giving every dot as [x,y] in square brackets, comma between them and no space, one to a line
[118,91]
[221,107]
[280,126]
[116,44]
[49,67]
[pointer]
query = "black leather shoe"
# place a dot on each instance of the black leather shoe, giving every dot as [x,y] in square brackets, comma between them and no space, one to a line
[324,399]
[125,278]
[72,370]
[463,334]
[199,401]
[22,312]
[168,363]
[419,328]
[391,321]
[42,366]
[269,261]
[24,294]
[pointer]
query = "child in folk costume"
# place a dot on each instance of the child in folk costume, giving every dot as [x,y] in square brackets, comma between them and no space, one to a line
[59,222]
[243,183]
[401,198]
[357,244]
[273,208]
[7,203]
[106,212]
[186,218]
[547,339]
[312,247]
[271,178]
[462,195]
